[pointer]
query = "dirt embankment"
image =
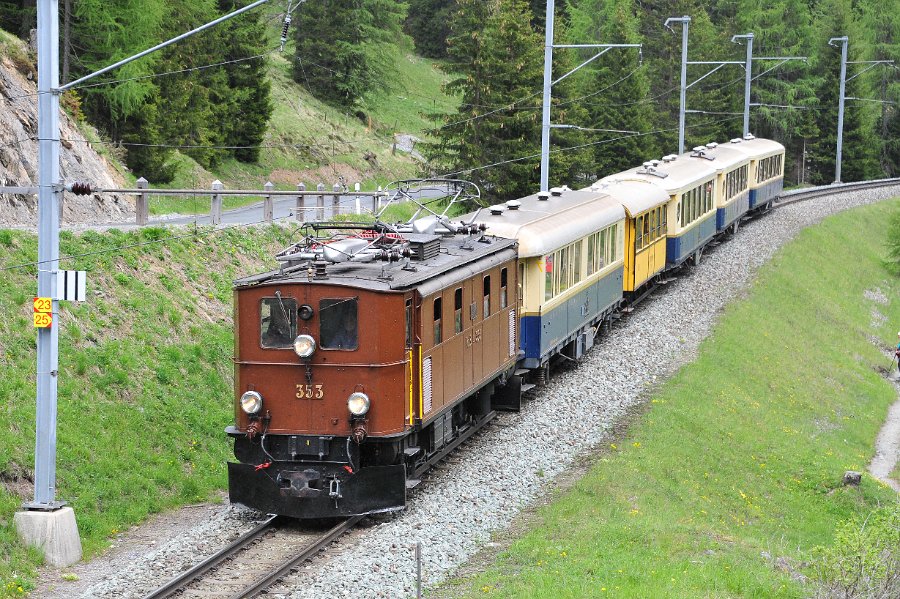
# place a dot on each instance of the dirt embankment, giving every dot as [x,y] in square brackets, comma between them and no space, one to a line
[19,162]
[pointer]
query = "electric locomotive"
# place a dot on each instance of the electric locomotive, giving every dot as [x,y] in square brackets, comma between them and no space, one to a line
[369,354]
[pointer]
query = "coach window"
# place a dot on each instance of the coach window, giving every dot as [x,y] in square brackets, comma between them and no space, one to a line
[639,233]
[438,313]
[338,326]
[548,277]
[457,311]
[504,282]
[486,295]
[278,322]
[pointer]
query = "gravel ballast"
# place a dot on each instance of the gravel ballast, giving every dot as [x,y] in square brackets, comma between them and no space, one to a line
[482,487]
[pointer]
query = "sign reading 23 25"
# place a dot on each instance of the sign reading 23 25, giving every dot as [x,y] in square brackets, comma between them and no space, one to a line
[310,392]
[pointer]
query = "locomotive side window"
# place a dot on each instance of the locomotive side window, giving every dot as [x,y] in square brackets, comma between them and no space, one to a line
[409,323]
[503,285]
[338,323]
[438,314]
[278,322]
[457,311]
[487,296]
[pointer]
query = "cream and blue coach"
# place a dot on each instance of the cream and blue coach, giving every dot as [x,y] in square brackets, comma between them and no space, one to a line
[570,266]
[766,168]
[732,189]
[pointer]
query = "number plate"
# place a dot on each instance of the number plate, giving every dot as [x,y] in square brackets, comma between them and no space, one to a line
[310,392]
[43,320]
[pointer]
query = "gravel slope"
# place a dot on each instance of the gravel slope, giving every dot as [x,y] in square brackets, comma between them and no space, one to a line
[509,465]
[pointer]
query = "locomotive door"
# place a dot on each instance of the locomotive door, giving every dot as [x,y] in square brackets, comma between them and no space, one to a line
[476,315]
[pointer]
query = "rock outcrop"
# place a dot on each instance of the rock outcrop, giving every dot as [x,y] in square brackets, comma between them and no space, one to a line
[79,161]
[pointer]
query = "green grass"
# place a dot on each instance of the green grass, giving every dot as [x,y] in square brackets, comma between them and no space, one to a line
[145,386]
[737,460]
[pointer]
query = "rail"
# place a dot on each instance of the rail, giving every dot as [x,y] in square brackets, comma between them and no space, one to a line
[794,196]
[179,583]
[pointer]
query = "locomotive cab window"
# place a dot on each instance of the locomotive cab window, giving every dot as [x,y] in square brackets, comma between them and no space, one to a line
[338,323]
[278,322]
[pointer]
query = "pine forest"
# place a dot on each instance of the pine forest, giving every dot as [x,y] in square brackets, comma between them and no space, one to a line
[215,100]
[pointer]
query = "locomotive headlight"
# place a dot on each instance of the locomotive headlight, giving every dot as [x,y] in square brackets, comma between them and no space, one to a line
[358,403]
[251,402]
[304,346]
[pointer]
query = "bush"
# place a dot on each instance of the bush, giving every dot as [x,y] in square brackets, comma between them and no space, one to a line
[864,560]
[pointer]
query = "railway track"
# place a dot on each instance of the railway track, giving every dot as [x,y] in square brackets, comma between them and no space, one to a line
[254,562]
[801,195]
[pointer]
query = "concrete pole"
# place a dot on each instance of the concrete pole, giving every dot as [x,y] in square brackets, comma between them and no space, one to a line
[548,78]
[840,127]
[747,78]
[48,252]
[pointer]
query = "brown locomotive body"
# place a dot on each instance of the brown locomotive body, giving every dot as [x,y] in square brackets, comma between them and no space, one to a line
[364,359]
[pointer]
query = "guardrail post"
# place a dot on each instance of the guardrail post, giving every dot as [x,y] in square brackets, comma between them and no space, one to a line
[320,202]
[216,208]
[300,211]
[268,209]
[336,200]
[141,204]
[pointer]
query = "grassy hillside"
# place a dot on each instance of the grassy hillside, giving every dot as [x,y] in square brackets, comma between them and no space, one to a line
[316,143]
[732,476]
[145,384]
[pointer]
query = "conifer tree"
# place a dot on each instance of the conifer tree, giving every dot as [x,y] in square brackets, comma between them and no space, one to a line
[428,24]
[497,60]
[615,86]
[881,21]
[249,104]
[859,154]
[337,56]
[782,29]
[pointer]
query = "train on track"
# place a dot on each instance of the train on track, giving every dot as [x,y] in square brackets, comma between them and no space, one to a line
[376,349]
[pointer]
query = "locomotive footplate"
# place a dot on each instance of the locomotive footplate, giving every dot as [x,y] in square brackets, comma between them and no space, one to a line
[311,491]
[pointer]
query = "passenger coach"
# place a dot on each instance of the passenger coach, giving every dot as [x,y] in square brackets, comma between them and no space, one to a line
[570,266]
[766,169]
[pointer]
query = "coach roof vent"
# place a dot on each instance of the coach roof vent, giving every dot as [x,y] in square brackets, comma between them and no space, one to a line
[497,209]
[649,168]
[749,136]
[669,158]
[556,191]
[513,204]
[712,145]
[543,196]
[736,140]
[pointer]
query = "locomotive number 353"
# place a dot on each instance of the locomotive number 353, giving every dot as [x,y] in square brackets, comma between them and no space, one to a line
[310,392]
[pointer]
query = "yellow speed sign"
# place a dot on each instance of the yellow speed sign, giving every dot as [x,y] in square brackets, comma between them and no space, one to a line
[43,317]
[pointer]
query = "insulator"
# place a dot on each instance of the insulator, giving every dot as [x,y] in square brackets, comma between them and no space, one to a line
[81,188]
[284,30]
